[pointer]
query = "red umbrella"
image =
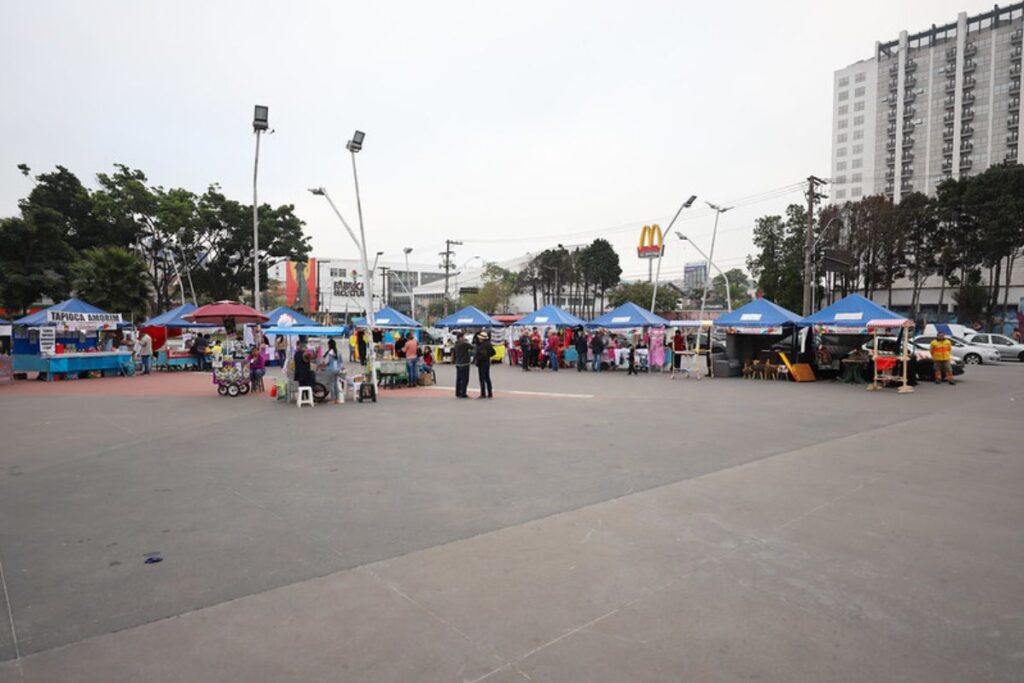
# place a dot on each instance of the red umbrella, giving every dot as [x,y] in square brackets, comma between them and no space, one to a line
[220,311]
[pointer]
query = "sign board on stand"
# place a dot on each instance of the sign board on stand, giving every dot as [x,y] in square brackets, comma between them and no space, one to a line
[47,341]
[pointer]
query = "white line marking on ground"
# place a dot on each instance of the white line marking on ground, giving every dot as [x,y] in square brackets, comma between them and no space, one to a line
[10,612]
[549,394]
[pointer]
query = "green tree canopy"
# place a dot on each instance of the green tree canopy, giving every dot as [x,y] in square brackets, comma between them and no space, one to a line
[114,279]
[640,294]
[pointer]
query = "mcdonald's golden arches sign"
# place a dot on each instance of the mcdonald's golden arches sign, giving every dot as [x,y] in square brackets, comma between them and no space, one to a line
[652,242]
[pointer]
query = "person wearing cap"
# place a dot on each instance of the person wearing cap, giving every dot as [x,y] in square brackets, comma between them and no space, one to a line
[460,357]
[484,351]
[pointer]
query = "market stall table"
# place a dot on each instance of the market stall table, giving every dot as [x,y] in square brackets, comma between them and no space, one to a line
[72,364]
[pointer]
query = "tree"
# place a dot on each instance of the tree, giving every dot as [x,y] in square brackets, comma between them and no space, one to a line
[114,279]
[640,294]
[778,267]
[34,260]
[971,300]
[500,285]
[602,268]
[738,288]
[916,215]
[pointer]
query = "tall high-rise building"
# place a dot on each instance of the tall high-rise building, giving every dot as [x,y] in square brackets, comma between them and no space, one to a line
[927,106]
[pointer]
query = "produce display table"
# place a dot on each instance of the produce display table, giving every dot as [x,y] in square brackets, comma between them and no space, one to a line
[71,364]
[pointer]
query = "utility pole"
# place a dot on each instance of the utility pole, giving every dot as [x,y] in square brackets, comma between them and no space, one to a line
[447,265]
[384,270]
[812,197]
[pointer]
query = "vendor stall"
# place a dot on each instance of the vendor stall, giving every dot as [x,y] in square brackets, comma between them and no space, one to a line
[551,317]
[468,318]
[841,329]
[630,316]
[754,333]
[274,318]
[167,331]
[358,387]
[62,342]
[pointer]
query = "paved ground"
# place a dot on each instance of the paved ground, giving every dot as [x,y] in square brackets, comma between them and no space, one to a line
[608,528]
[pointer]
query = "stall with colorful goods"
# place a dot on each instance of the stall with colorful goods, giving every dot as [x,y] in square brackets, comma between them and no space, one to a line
[171,333]
[231,368]
[64,342]
[760,338]
[644,325]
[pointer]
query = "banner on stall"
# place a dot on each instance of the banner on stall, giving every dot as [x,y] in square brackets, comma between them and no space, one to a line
[47,341]
[81,318]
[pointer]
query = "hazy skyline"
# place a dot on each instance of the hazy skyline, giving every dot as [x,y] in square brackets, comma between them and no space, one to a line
[510,127]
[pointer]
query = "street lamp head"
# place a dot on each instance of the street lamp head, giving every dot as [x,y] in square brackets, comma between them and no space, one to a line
[356,143]
[407,250]
[682,236]
[690,201]
[260,118]
[318,191]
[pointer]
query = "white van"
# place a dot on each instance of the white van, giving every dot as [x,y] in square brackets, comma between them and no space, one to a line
[950,330]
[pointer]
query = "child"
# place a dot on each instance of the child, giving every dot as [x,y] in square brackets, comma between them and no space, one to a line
[632,360]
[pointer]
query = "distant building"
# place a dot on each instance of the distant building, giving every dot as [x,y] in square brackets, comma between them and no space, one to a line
[695,274]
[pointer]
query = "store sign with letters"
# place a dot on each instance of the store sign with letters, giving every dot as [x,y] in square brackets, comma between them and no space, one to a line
[849,316]
[86,318]
[47,341]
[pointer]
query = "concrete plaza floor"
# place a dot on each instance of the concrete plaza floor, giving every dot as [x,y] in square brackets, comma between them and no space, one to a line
[576,528]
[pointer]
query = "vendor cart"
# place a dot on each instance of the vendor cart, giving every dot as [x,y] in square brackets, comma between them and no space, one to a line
[231,377]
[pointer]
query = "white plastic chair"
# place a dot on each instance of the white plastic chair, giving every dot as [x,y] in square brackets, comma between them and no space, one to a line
[304,397]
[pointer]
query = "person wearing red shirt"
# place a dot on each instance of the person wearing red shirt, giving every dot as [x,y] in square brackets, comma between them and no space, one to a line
[678,346]
[554,343]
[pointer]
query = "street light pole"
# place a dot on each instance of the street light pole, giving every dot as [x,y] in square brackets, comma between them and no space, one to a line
[719,210]
[685,205]
[814,264]
[728,292]
[412,295]
[259,124]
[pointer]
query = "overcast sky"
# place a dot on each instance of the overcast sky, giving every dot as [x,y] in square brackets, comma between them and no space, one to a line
[511,126]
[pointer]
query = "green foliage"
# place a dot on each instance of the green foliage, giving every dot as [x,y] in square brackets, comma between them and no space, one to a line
[581,276]
[738,287]
[500,285]
[971,300]
[778,267]
[640,294]
[34,260]
[114,279]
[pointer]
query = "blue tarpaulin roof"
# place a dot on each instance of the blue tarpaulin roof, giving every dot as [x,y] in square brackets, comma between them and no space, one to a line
[69,305]
[550,315]
[470,316]
[628,315]
[758,313]
[389,317]
[309,330]
[297,318]
[173,318]
[855,311]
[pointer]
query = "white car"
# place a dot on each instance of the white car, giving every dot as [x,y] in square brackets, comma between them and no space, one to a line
[1008,349]
[965,351]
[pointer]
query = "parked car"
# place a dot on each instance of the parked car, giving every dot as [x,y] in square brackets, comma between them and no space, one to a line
[925,368]
[1008,348]
[965,351]
[950,329]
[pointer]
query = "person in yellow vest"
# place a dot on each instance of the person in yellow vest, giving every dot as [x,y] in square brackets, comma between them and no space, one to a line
[941,349]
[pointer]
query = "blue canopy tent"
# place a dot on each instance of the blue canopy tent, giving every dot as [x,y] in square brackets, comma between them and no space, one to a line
[390,318]
[309,330]
[628,315]
[850,315]
[67,306]
[174,318]
[71,335]
[470,316]
[551,315]
[274,318]
[760,316]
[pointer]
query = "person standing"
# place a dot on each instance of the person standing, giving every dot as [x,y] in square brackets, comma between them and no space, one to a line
[304,376]
[535,348]
[400,346]
[332,364]
[941,349]
[146,351]
[361,345]
[632,360]
[484,351]
[597,346]
[581,350]
[460,357]
[524,349]
[678,346]
[554,343]
[412,361]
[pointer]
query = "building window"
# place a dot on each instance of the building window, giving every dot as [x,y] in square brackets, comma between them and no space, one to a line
[858,106]
[857,149]
[858,92]
[843,109]
[339,272]
[857,177]
[844,95]
[856,163]
[841,137]
[855,192]
[841,166]
[858,135]
[842,123]
[839,180]
[841,152]
[844,81]
[858,120]
[859,78]
[840,194]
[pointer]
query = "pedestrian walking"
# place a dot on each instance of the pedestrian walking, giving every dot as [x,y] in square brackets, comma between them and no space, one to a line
[581,350]
[460,356]
[484,351]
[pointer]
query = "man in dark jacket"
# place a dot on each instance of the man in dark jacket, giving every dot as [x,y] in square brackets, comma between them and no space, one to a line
[524,347]
[597,346]
[484,351]
[460,356]
[580,342]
